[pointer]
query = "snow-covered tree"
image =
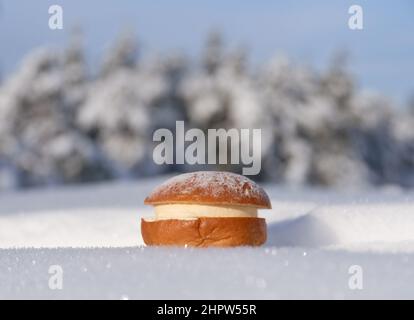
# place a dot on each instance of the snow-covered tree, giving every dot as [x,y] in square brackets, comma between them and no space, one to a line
[60,124]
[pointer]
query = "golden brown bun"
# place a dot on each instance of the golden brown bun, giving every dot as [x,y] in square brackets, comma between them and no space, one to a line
[205,232]
[211,188]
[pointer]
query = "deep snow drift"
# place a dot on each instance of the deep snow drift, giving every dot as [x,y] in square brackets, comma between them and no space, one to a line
[314,237]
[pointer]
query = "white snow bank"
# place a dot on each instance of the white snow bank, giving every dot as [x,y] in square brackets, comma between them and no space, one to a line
[114,227]
[109,216]
[349,226]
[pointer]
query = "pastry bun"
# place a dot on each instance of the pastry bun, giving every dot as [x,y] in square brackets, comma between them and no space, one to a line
[206,208]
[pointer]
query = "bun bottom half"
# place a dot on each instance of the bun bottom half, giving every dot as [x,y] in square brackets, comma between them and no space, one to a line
[205,232]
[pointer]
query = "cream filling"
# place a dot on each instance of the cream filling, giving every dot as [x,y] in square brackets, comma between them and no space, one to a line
[194,211]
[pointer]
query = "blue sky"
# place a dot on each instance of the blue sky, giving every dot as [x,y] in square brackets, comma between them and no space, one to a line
[308,31]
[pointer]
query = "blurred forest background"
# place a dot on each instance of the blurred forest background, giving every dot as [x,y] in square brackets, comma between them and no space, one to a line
[61,123]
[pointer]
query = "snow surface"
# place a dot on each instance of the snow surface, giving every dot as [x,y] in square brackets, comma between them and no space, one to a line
[315,235]
[240,273]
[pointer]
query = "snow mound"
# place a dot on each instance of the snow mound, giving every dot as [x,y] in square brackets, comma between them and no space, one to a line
[347,226]
[114,227]
[109,215]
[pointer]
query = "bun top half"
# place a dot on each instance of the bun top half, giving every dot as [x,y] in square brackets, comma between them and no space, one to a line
[210,188]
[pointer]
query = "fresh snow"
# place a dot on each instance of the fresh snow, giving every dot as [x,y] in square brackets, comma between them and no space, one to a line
[315,235]
[171,273]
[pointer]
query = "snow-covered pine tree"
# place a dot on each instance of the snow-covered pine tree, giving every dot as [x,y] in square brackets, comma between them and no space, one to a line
[58,124]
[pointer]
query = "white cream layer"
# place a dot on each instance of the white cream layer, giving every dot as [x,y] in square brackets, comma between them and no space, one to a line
[193,211]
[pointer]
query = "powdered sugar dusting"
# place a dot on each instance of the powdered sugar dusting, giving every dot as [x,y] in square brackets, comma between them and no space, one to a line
[213,184]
